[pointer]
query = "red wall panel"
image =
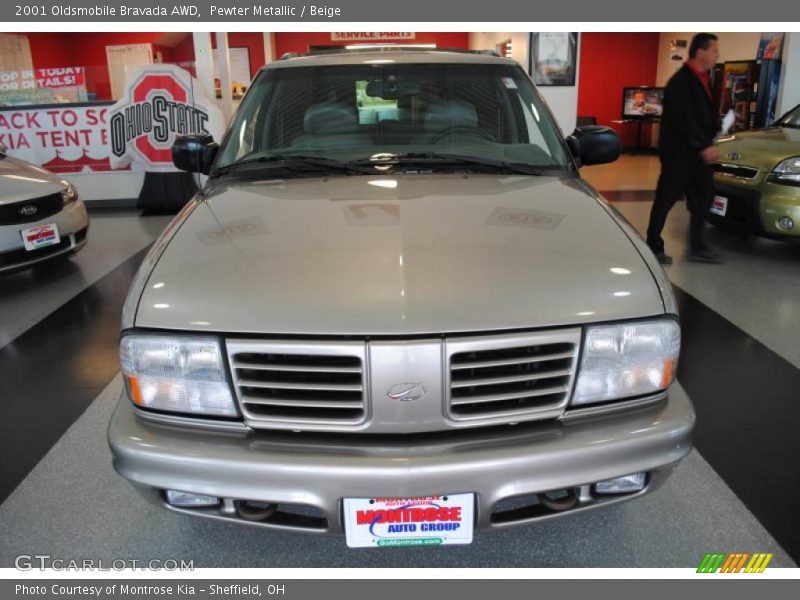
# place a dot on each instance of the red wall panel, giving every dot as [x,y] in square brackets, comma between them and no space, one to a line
[84,50]
[300,41]
[609,62]
[253,41]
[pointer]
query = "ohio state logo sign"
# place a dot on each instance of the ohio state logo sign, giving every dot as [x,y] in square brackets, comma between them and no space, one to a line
[160,102]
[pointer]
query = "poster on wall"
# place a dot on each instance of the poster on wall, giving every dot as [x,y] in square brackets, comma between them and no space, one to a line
[770,46]
[553,58]
[42,86]
[159,103]
[62,138]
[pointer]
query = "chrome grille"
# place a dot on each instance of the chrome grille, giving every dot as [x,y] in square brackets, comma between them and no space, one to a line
[295,384]
[525,376]
[739,171]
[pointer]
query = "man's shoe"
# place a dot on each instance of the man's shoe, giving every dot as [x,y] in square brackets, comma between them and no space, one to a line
[664,258]
[706,256]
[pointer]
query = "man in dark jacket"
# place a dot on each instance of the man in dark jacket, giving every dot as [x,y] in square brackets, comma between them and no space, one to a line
[686,150]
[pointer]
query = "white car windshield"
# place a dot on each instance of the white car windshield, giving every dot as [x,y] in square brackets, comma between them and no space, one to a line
[425,116]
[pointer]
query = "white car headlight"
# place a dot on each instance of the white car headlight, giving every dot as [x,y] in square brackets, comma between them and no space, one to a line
[178,374]
[787,171]
[69,194]
[627,360]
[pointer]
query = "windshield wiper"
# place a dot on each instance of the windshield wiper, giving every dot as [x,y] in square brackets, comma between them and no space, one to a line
[469,162]
[293,163]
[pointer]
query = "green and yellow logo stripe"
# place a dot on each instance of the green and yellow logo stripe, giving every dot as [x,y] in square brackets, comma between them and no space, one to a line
[736,562]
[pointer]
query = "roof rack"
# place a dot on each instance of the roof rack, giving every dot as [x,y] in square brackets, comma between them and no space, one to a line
[384,48]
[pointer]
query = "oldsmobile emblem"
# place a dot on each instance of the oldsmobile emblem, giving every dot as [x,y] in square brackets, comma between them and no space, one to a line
[734,155]
[406,392]
[28,210]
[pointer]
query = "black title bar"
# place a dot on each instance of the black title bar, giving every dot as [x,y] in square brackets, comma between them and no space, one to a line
[475,11]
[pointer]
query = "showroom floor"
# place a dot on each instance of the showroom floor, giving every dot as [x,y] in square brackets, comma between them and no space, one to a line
[738,491]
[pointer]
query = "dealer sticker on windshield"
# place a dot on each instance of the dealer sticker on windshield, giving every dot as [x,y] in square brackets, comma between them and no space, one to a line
[421,521]
[719,206]
[40,236]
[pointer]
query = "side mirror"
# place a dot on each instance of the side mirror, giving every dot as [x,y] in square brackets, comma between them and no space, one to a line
[594,145]
[194,153]
[3,150]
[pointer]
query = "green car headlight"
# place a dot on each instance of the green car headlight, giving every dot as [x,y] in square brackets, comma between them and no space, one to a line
[787,172]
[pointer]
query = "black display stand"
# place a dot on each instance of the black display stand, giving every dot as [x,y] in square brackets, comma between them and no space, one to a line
[166,193]
[638,122]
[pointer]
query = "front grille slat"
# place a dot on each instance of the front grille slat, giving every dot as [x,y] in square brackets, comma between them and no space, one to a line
[510,361]
[509,396]
[286,384]
[304,403]
[295,368]
[525,376]
[740,171]
[509,379]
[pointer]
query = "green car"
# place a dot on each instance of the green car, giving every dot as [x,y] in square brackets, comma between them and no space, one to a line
[757,181]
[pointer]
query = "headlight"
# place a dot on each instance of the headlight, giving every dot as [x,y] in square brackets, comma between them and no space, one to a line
[627,360]
[69,193]
[177,374]
[787,172]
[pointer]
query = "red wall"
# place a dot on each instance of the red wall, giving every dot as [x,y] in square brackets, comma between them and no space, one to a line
[609,62]
[253,41]
[299,42]
[87,50]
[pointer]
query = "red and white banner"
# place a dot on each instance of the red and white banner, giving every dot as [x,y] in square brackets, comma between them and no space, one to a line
[60,77]
[42,78]
[72,139]
[160,102]
[372,36]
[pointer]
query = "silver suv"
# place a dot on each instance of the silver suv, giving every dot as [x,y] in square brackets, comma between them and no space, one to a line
[396,311]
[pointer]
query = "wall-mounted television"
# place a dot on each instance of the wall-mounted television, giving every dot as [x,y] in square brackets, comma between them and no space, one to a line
[642,102]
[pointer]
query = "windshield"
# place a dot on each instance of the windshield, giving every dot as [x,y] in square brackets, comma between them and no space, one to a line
[790,119]
[401,116]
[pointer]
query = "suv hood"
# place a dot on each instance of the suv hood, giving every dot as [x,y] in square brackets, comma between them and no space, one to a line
[408,254]
[20,180]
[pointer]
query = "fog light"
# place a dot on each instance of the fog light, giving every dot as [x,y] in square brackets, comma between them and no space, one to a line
[786,223]
[621,485]
[189,500]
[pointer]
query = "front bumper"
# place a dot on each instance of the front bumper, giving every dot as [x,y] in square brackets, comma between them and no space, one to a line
[757,207]
[73,226]
[318,471]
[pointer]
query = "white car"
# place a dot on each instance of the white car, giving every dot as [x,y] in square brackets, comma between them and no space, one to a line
[41,216]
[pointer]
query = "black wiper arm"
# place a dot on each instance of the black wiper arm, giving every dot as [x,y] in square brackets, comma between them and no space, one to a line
[293,162]
[451,159]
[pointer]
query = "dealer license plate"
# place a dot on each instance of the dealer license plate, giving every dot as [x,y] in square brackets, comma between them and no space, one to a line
[40,236]
[719,206]
[421,521]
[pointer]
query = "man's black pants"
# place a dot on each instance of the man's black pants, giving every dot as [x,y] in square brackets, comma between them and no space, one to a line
[682,174]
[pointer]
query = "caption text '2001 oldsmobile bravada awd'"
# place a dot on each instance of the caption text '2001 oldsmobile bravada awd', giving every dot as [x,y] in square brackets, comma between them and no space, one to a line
[397,311]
